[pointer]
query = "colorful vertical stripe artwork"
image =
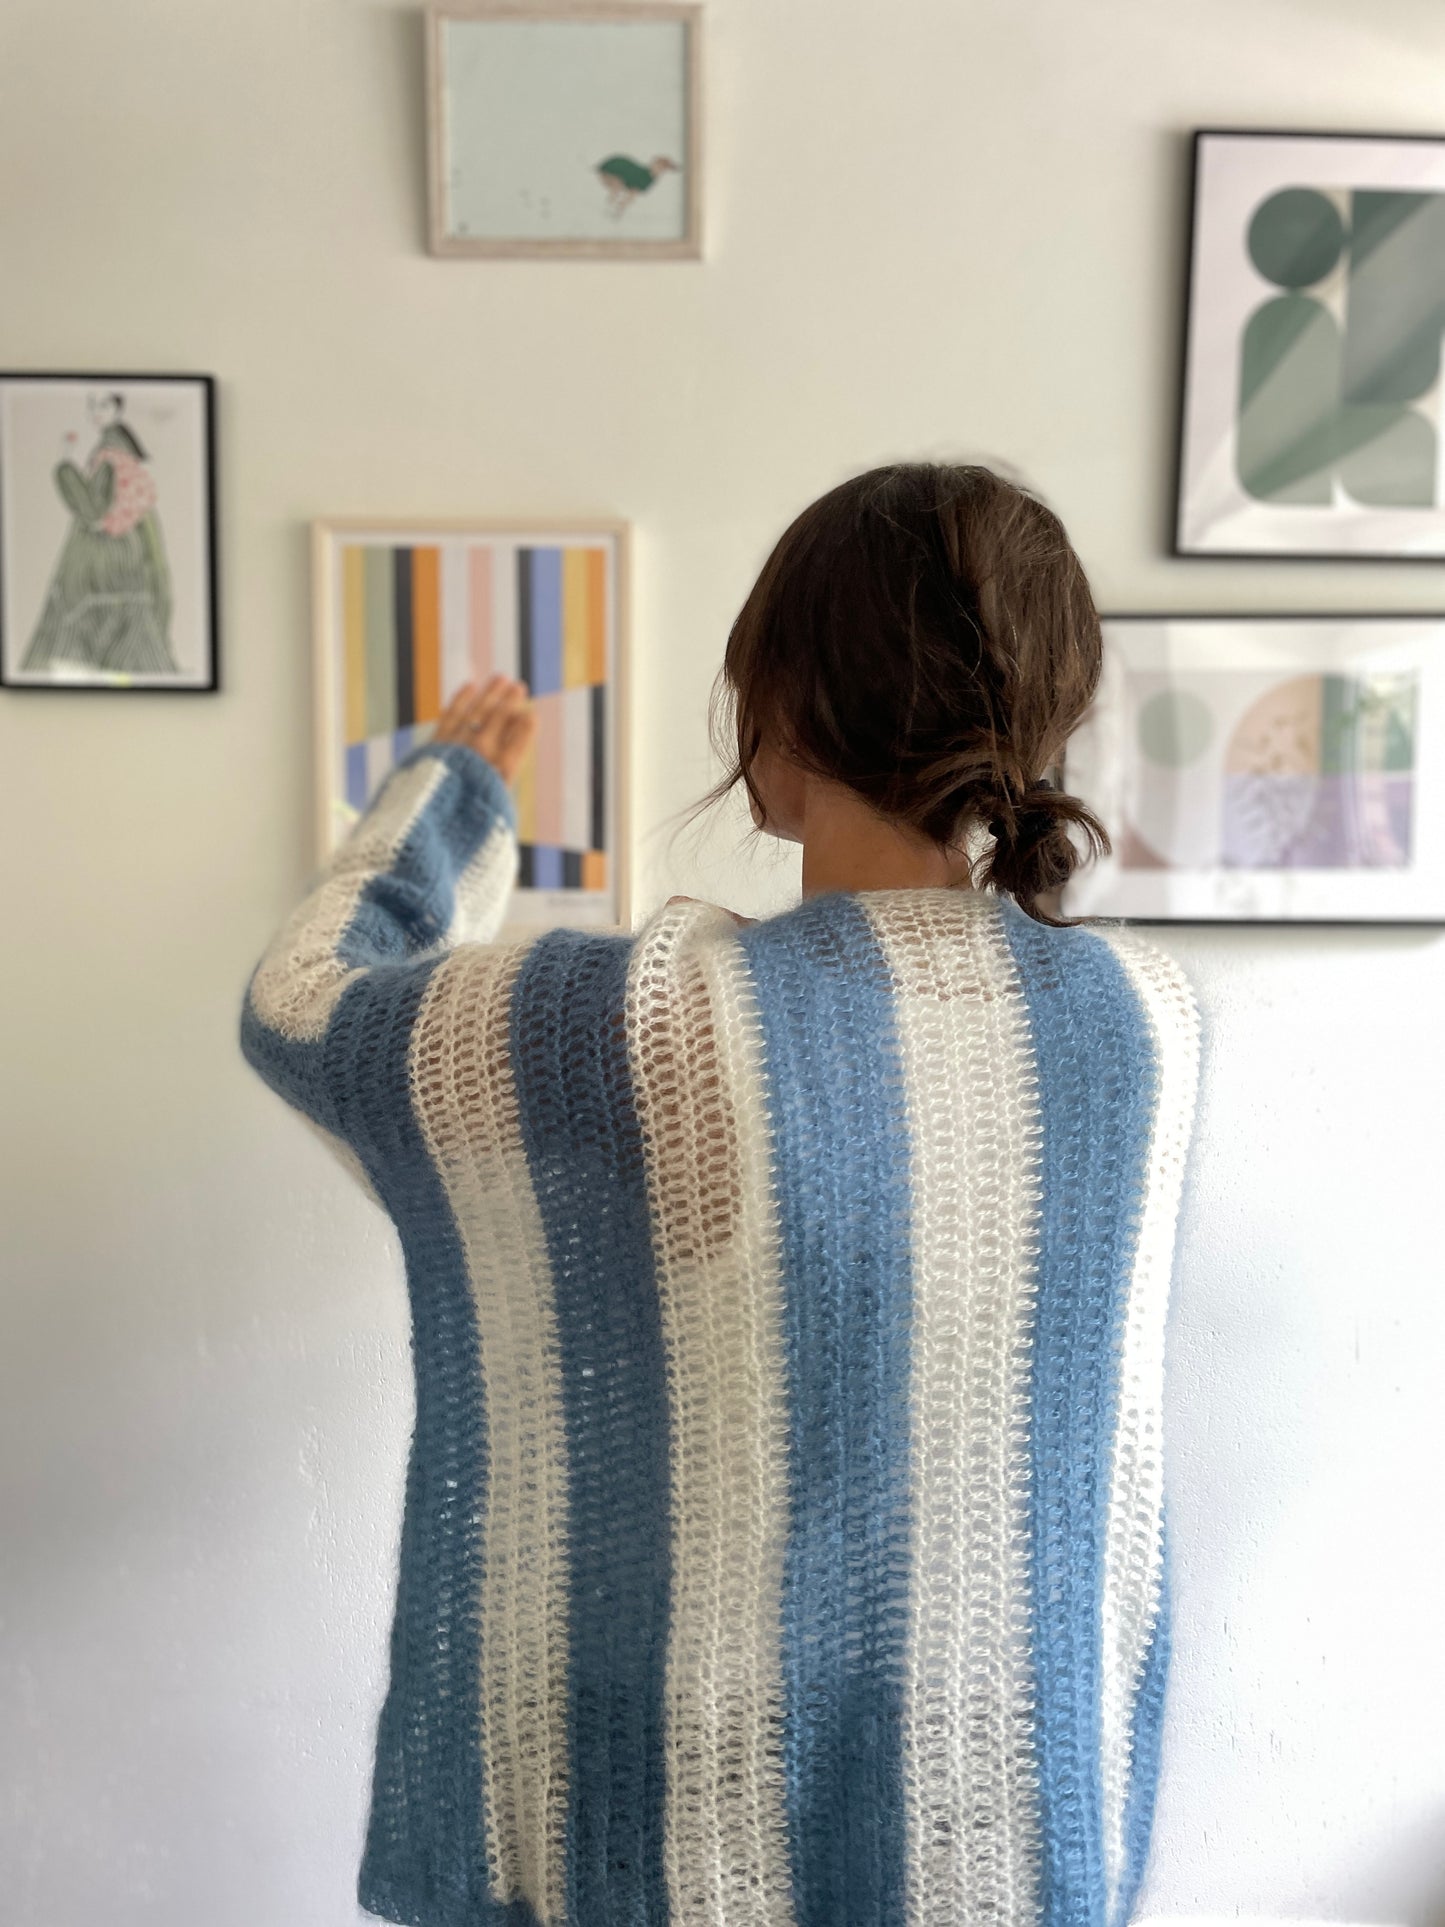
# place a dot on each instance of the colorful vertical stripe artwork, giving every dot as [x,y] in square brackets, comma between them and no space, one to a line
[416,619]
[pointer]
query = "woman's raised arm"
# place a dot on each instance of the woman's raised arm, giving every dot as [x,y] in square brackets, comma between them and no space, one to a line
[430,865]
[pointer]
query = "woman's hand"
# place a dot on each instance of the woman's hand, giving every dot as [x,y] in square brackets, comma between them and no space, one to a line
[495,718]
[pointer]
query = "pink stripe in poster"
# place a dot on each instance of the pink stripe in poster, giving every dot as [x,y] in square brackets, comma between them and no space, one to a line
[481,585]
[549,769]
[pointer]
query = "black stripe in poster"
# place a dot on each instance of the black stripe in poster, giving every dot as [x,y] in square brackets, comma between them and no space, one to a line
[598,836]
[405,641]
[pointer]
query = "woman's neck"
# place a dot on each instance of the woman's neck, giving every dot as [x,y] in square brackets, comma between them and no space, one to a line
[848,846]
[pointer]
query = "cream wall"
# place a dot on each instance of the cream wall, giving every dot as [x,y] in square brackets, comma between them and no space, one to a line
[936,226]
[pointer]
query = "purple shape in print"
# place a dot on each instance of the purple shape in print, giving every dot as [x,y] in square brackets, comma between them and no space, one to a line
[1358,821]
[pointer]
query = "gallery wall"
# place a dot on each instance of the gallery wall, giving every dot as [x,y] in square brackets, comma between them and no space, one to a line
[939,227]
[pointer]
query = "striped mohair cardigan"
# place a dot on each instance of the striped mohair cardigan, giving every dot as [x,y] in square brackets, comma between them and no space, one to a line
[783,1538]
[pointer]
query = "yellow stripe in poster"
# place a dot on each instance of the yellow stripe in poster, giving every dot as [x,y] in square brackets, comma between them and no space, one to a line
[576,584]
[524,793]
[596,616]
[353,629]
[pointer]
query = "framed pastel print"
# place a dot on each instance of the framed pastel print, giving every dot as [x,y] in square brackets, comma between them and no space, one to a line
[108,532]
[1266,769]
[406,612]
[565,130]
[1312,419]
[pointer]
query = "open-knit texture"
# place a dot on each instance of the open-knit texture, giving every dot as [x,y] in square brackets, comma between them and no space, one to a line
[783,1541]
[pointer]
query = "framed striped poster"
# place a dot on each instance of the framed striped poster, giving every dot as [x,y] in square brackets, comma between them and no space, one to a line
[407,612]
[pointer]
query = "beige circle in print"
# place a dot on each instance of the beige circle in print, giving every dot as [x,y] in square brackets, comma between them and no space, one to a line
[1279,734]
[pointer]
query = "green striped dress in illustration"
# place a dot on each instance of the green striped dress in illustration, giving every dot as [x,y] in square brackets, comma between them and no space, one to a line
[108,606]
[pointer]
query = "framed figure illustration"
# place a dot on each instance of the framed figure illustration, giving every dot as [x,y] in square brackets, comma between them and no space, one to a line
[406,612]
[565,130]
[1312,421]
[107,532]
[1266,769]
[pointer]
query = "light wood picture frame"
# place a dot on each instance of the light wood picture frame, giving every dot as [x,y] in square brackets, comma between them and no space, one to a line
[564,131]
[406,611]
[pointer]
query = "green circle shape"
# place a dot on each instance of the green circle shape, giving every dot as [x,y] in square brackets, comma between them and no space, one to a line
[1175,727]
[1295,237]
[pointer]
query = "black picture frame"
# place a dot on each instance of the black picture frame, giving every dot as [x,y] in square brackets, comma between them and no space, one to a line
[1187,347]
[208,385]
[1068,779]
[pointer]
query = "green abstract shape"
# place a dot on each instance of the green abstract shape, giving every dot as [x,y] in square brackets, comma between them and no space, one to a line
[1387,456]
[1367,725]
[1340,706]
[1296,237]
[1395,306]
[1289,385]
[1175,727]
[1399,744]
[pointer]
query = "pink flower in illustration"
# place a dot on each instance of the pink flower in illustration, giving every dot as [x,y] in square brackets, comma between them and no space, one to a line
[134,492]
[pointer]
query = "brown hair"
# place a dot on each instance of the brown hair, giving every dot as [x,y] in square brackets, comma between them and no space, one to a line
[925,634]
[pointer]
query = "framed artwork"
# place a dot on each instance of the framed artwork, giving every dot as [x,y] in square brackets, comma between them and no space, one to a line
[1270,769]
[1312,417]
[406,612]
[108,532]
[560,130]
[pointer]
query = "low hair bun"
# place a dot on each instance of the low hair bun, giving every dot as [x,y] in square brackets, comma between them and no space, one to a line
[1035,851]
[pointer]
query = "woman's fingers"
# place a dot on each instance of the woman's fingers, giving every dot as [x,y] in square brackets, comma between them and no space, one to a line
[494,718]
[497,722]
[455,724]
[517,736]
[486,701]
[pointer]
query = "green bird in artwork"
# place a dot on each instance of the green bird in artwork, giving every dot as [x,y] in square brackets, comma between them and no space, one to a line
[625,178]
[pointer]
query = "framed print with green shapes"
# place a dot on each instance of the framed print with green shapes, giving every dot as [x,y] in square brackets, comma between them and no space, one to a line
[1311,411]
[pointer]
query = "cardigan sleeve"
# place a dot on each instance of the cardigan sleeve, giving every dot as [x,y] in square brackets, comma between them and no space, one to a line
[429,866]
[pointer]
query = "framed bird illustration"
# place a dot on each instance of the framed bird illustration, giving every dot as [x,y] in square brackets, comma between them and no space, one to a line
[562,130]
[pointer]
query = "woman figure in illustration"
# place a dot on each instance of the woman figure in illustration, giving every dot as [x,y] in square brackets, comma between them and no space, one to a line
[109,602]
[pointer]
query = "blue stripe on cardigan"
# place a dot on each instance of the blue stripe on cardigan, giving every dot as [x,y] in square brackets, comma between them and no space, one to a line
[585,1157]
[426,1828]
[841,1176]
[1098,1080]
[406,909]
[425,1835]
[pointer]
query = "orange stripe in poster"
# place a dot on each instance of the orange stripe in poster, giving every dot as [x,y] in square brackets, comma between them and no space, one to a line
[426,633]
[596,616]
[353,629]
[594,870]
